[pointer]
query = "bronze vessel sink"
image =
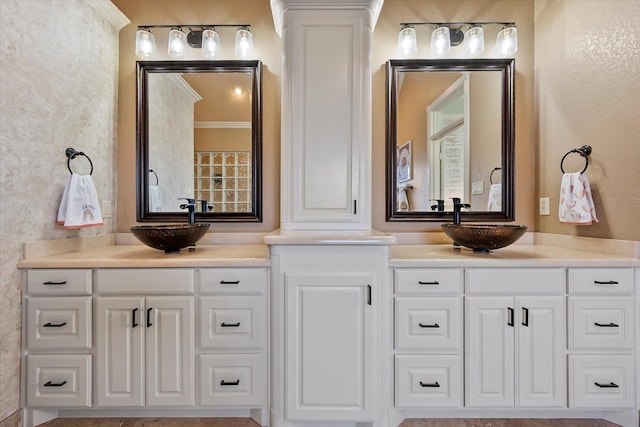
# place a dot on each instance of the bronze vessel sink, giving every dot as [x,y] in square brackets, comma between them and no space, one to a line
[171,237]
[484,237]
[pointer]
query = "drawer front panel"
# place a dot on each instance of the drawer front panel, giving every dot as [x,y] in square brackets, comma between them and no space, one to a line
[428,381]
[601,322]
[428,323]
[59,323]
[601,381]
[237,380]
[234,281]
[233,323]
[59,381]
[516,281]
[428,280]
[148,281]
[59,281]
[609,281]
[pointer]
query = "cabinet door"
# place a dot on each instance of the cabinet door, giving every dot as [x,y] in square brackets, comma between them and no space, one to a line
[170,351]
[328,347]
[119,349]
[490,334]
[541,341]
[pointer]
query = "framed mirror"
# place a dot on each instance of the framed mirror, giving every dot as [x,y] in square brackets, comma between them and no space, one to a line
[199,136]
[450,133]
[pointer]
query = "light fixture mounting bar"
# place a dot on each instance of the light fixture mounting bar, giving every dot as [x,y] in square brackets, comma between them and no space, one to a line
[192,25]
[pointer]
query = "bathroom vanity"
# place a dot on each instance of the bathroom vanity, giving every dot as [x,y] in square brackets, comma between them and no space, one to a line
[333,329]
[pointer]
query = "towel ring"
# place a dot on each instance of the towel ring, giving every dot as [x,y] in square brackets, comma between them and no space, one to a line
[584,151]
[156,175]
[491,176]
[72,154]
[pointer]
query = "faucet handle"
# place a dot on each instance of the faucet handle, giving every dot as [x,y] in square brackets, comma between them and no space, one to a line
[439,205]
[205,206]
[191,203]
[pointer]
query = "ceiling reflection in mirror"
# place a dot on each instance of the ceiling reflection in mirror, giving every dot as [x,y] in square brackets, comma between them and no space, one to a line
[449,135]
[199,138]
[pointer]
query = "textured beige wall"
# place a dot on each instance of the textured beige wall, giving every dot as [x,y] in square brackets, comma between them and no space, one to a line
[587,68]
[267,46]
[56,92]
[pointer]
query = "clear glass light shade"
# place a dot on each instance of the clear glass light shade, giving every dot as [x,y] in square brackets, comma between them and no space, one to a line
[244,43]
[177,45]
[210,43]
[474,40]
[407,45]
[507,41]
[440,42]
[145,43]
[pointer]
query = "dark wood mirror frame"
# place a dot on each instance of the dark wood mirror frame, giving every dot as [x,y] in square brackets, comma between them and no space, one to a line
[144,68]
[506,67]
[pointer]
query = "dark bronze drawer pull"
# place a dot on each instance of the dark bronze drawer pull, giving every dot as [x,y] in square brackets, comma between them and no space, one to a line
[606,282]
[50,384]
[610,385]
[133,317]
[606,325]
[54,325]
[64,282]
[510,320]
[435,325]
[229,282]
[435,282]
[230,325]
[149,317]
[236,382]
[436,384]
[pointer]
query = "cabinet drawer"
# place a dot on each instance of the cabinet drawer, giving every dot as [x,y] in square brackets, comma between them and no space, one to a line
[601,322]
[59,281]
[601,381]
[427,381]
[428,281]
[611,281]
[148,281]
[234,281]
[232,380]
[516,281]
[59,381]
[233,323]
[59,323]
[428,323]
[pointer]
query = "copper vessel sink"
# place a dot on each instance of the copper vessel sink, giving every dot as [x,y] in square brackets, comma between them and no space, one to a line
[484,237]
[170,238]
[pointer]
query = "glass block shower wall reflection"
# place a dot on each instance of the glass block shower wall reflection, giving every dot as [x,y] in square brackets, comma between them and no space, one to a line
[224,179]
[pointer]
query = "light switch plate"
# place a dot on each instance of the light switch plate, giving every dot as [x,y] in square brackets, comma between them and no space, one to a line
[106,208]
[477,187]
[544,206]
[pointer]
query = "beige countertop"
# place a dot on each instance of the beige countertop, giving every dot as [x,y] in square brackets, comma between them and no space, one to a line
[524,255]
[130,256]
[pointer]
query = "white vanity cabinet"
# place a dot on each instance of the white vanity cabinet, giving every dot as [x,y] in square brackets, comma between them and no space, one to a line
[515,333]
[145,337]
[232,338]
[325,307]
[58,336]
[428,338]
[602,348]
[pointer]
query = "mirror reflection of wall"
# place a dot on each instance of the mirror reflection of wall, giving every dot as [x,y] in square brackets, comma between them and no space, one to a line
[455,122]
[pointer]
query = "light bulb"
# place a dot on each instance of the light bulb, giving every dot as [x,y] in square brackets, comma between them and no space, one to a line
[244,43]
[407,41]
[145,43]
[507,41]
[440,41]
[177,45]
[474,40]
[210,43]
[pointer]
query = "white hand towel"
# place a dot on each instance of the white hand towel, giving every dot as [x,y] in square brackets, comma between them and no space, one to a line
[155,198]
[495,198]
[82,205]
[576,204]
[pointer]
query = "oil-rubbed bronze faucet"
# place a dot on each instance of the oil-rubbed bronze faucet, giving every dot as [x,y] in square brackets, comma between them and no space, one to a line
[191,207]
[457,206]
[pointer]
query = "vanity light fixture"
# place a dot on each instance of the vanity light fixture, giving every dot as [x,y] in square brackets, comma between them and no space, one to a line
[451,34]
[203,37]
